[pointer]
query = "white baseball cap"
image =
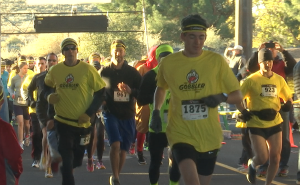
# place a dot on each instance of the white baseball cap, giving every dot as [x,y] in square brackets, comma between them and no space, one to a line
[238,47]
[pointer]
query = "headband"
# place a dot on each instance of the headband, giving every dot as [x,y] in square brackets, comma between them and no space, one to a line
[117,45]
[194,28]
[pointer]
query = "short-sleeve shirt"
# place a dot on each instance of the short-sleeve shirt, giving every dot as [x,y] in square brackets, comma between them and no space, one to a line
[264,93]
[193,78]
[75,86]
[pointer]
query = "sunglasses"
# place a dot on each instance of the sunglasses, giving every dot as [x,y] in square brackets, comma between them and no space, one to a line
[49,60]
[69,48]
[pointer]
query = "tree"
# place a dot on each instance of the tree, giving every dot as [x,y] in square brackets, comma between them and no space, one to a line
[275,20]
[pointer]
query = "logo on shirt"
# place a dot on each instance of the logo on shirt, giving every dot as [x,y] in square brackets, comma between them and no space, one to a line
[192,78]
[68,83]
[69,78]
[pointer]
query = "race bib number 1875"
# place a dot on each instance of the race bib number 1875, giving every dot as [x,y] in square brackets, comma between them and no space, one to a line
[193,110]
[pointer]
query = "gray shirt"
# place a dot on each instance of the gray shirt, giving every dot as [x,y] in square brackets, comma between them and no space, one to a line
[16,84]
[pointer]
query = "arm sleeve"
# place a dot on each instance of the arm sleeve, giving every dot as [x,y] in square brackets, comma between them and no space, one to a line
[147,89]
[12,150]
[24,88]
[136,84]
[161,82]
[252,64]
[95,81]
[290,62]
[32,87]
[99,97]
[285,92]
[11,88]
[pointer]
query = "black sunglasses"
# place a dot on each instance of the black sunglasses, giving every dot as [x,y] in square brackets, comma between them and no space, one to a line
[69,48]
[49,60]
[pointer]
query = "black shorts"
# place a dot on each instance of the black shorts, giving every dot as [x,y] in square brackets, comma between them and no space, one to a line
[21,110]
[69,143]
[265,132]
[205,161]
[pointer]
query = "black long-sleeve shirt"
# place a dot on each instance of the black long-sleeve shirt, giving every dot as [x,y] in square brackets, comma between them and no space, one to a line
[112,77]
[147,88]
[37,83]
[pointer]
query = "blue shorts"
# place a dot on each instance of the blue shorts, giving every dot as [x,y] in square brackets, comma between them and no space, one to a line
[119,130]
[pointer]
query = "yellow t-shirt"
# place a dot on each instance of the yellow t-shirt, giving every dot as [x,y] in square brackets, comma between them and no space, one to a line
[192,79]
[24,90]
[264,93]
[76,86]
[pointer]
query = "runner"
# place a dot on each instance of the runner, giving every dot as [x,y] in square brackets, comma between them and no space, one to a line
[20,105]
[97,140]
[10,155]
[157,141]
[263,90]
[122,88]
[197,80]
[79,92]
[34,93]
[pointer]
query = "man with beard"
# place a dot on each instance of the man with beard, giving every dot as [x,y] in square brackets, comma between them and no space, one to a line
[121,90]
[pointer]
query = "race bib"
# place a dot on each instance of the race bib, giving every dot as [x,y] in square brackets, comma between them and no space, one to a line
[269,90]
[85,139]
[165,116]
[193,110]
[21,101]
[121,96]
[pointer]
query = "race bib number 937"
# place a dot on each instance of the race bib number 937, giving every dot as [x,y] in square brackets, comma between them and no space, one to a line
[193,110]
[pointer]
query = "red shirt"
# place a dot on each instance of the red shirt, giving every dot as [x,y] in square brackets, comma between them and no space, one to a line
[10,155]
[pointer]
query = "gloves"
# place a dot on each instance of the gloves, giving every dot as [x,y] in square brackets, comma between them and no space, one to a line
[53,98]
[214,100]
[287,106]
[246,115]
[32,104]
[155,123]
[83,118]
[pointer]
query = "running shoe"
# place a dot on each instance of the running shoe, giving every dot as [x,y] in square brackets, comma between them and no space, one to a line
[27,140]
[141,159]
[261,172]
[90,165]
[113,181]
[54,167]
[48,173]
[21,145]
[35,164]
[243,168]
[283,172]
[251,176]
[100,165]
[132,149]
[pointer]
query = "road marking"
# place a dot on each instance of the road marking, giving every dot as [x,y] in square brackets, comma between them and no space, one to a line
[235,170]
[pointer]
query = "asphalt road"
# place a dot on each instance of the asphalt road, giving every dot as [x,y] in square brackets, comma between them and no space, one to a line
[134,174]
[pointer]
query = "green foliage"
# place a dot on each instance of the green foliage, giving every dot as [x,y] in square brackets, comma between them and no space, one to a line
[276,20]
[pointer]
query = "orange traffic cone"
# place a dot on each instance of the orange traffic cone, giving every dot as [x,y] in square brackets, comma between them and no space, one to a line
[292,138]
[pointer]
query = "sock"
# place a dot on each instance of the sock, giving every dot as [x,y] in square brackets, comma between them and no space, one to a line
[173,183]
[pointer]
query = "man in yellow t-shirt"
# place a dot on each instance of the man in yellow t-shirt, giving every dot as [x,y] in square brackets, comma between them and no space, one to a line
[263,91]
[79,92]
[197,80]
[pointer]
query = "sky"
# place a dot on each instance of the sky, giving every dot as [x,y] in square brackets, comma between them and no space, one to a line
[33,2]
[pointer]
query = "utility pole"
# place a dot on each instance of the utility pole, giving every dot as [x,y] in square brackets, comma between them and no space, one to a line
[243,26]
[146,31]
